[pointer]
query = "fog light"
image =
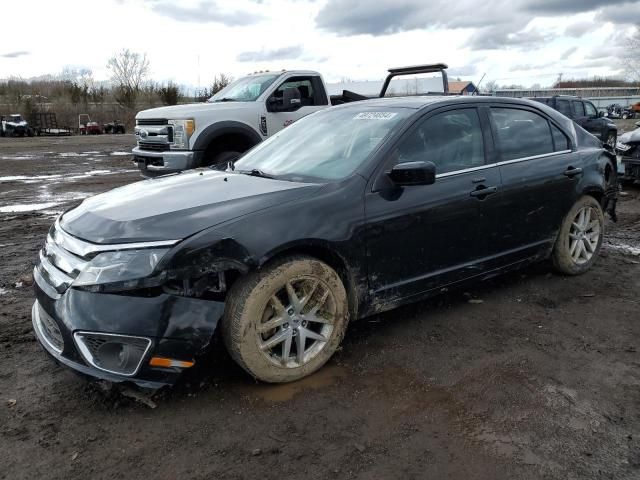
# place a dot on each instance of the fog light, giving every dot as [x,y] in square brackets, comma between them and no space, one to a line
[113,353]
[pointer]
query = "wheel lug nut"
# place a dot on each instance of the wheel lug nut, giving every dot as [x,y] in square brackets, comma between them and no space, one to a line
[290,312]
[304,323]
[286,325]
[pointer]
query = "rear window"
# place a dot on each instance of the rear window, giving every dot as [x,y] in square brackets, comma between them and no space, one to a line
[521,133]
[560,140]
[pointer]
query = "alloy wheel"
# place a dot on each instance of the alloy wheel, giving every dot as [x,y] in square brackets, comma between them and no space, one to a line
[584,235]
[297,322]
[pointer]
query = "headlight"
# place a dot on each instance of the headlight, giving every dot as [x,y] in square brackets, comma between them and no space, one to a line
[623,147]
[121,266]
[182,131]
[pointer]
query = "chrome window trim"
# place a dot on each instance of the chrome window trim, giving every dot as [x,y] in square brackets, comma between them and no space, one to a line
[62,258]
[83,248]
[88,357]
[498,164]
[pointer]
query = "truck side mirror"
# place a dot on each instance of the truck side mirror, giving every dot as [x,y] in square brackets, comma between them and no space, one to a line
[290,101]
[600,113]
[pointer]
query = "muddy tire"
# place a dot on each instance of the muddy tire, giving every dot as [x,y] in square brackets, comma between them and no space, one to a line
[580,237]
[284,321]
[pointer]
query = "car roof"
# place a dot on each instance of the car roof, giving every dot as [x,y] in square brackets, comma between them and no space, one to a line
[425,101]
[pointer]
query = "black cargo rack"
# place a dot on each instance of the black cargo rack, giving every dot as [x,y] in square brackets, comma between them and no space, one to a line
[416,69]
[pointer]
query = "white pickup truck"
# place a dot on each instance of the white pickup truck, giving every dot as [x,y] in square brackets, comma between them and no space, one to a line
[238,117]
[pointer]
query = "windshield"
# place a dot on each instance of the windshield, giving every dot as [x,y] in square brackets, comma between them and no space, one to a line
[15,118]
[245,89]
[328,145]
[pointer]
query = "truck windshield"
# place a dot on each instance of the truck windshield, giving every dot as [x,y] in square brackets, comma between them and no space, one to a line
[328,145]
[245,89]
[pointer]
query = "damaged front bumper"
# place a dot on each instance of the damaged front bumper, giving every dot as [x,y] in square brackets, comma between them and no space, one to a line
[166,326]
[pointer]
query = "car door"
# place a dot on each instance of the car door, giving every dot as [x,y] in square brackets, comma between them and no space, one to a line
[423,237]
[312,97]
[539,172]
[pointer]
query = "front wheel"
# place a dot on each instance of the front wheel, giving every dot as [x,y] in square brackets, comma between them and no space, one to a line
[283,322]
[580,237]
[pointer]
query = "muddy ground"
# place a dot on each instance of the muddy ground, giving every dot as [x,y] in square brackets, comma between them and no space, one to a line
[539,380]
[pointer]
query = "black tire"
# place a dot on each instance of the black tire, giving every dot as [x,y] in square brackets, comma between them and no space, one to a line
[221,160]
[587,240]
[256,299]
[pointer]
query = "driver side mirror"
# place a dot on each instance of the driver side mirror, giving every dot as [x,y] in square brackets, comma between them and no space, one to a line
[289,102]
[600,114]
[413,173]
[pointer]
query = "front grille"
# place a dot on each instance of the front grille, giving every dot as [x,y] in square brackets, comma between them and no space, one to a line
[156,147]
[60,262]
[49,329]
[152,121]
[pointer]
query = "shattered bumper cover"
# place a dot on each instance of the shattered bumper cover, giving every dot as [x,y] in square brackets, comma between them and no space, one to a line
[177,327]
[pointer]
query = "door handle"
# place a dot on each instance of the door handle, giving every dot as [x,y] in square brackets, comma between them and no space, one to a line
[481,192]
[572,172]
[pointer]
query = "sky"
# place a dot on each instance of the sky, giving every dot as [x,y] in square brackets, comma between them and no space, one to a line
[189,41]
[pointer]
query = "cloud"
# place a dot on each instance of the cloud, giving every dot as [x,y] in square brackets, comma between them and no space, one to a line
[626,14]
[578,29]
[285,53]
[568,53]
[205,12]
[567,7]
[16,54]
[493,38]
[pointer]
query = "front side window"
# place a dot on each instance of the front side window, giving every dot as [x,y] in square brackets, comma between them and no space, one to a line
[590,110]
[560,140]
[451,140]
[328,145]
[245,89]
[521,133]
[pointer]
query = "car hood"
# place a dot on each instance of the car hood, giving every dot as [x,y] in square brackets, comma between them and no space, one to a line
[191,110]
[176,206]
[628,137]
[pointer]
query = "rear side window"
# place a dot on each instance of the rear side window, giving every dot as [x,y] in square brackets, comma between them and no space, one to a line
[521,133]
[577,108]
[452,140]
[560,140]
[564,108]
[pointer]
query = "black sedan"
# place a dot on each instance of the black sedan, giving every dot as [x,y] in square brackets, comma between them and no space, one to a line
[351,211]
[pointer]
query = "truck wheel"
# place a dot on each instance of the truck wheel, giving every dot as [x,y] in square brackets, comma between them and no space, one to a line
[30,132]
[222,159]
[283,322]
[580,237]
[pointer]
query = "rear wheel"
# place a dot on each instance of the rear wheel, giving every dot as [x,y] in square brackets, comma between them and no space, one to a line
[580,237]
[285,321]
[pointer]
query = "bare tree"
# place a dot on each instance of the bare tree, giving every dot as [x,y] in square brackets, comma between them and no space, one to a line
[220,81]
[170,94]
[128,72]
[490,86]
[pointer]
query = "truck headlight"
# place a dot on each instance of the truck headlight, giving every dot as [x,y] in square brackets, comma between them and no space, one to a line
[182,131]
[120,266]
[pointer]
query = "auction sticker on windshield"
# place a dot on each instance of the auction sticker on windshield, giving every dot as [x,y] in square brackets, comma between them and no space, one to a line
[375,116]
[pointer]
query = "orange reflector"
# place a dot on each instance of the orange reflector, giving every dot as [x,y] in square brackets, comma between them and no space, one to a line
[169,362]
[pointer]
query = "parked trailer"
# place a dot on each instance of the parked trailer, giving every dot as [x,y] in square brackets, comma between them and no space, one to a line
[47,124]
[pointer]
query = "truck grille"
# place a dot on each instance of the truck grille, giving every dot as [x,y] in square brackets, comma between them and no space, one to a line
[156,147]
[154,135]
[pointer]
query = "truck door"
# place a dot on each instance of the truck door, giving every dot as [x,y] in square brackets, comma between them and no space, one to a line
[308,96]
